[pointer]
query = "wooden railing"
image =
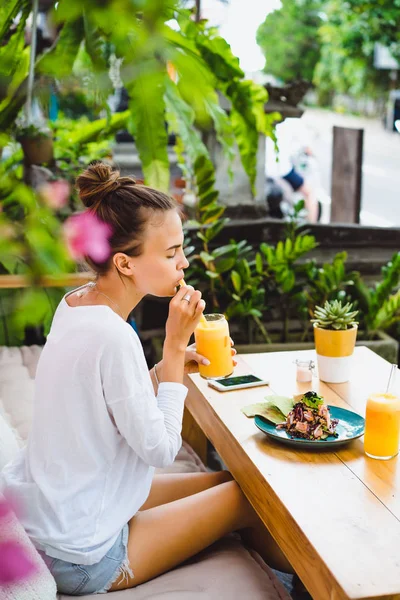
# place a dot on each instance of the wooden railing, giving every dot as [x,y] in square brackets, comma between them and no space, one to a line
[23,281]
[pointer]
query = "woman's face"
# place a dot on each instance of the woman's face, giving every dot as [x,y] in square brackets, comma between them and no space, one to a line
[159,268]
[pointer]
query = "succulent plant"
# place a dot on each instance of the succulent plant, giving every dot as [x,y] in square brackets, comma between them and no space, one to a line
[334,315]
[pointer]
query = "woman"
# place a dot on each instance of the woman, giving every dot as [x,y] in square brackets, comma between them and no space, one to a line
[94,508]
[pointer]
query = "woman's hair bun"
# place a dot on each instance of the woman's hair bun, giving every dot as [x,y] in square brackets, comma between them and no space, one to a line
[96,182]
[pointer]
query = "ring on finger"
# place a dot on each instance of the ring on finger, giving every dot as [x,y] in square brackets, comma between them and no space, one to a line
[187,298]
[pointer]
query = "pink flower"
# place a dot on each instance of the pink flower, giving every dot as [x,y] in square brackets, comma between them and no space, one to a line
[5,508]
[55,193]
[86,235]
[14,562]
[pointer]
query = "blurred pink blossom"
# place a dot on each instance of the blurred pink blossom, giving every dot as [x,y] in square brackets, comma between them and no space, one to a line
[15,564]
[55,193]
[86,235]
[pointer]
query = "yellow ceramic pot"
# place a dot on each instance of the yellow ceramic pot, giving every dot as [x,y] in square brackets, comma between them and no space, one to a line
[334,353]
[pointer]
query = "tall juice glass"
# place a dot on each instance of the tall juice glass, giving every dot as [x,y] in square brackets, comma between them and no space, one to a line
[213,342]
[382,426]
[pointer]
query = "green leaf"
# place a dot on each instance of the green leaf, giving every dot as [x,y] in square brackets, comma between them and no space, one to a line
[223,129]
[214,229]
[282,403]
[212,214]
[9,9]
[212,275]
[228,249]
[236,280]
[180,117]
[10,53]
[225,264]
[271,413]
[217,53]
[208,199]
[288,281]
[147,123]
[206,257]
[259,263]
[59,60]
[94,44]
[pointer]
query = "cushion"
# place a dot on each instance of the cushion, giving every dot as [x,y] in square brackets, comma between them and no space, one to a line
[226,570]
[38,585]
[9,445]
[17,387]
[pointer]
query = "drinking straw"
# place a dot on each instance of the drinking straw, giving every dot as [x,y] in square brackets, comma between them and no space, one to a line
[203,320]
[391,377]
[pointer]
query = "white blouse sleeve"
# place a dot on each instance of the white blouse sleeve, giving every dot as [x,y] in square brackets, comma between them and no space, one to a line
[150,424]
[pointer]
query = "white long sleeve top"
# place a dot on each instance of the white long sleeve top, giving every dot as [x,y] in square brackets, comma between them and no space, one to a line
[98,432]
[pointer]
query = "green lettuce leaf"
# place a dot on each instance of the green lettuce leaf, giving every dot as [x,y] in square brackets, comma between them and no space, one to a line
[312,400]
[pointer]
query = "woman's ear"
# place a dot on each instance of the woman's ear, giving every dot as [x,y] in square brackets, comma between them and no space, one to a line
[123,264]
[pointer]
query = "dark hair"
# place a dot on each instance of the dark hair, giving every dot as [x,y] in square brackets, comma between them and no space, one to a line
[123,204]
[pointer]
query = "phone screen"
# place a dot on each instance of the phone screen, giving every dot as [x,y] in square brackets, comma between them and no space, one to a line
[238,380]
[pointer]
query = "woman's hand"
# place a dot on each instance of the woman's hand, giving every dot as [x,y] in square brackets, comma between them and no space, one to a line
[185,310]
[193,359]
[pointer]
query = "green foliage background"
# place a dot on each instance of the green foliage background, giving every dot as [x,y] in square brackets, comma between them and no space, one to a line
[331,43]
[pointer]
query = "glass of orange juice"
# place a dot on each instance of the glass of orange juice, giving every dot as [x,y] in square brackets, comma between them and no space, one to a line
[382,426]
[213,341]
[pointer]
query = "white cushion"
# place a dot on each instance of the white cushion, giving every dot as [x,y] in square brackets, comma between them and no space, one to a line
[9,445]
[17,372]
[38,586]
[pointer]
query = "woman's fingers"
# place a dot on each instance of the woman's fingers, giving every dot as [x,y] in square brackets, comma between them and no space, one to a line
[201,360]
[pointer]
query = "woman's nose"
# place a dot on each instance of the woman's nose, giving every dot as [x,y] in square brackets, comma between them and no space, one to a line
[185,263]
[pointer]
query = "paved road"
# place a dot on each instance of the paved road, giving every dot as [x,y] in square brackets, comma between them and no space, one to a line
[381,164]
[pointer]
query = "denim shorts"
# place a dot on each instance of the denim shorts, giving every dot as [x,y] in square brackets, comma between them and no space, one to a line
[78,580]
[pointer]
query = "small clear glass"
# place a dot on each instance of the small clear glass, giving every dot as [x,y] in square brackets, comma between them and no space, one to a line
[304,370]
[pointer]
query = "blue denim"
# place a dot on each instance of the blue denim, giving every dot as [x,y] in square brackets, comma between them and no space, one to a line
[78,580]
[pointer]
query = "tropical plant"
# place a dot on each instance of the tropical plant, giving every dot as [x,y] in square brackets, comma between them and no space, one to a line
[171,73]
[33,131]
[379,305]
[334,315]
[31,244]
[331,281]
[213,263]
[283,270]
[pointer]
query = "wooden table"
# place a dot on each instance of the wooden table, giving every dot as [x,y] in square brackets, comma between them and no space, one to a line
[336,515]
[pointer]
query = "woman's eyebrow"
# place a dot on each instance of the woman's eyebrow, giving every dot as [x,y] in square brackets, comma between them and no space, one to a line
[176,246]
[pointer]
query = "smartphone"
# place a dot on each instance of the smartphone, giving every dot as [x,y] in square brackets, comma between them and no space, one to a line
[236,383]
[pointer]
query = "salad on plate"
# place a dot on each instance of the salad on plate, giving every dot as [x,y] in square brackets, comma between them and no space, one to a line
[309,419]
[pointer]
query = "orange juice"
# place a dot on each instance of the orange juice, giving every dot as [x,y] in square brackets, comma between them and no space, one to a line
[213,342]
[382,426]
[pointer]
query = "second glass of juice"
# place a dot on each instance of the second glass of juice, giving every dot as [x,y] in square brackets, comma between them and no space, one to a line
[213,342]
[382,426]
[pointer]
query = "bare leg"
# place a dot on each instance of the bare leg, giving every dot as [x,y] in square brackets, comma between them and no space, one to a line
[168,487]
[310,201]
[163,537]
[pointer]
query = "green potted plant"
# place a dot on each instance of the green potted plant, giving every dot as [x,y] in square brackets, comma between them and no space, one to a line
[37,144]
[335,333]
